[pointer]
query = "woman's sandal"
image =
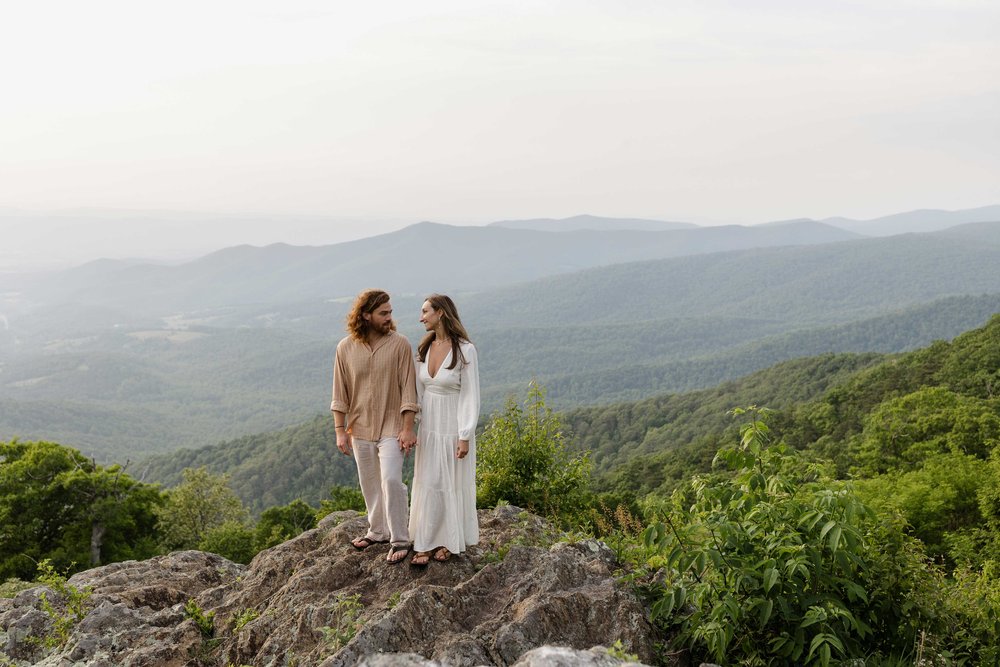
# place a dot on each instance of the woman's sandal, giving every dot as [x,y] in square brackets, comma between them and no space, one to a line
[442,555]
[421,559]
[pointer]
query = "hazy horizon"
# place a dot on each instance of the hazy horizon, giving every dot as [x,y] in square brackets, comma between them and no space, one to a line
[308,123]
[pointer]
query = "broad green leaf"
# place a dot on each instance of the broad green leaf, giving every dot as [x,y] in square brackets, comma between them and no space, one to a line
[770,578]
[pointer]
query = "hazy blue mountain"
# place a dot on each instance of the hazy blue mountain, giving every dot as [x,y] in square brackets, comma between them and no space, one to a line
[578,222]
[419,259]
[656,369]
[115,381]
[923,220]
[816,285]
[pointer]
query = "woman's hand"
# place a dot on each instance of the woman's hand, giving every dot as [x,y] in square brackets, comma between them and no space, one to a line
[462,450]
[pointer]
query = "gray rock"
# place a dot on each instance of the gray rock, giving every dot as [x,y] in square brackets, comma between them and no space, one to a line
[315,600]
[560,656]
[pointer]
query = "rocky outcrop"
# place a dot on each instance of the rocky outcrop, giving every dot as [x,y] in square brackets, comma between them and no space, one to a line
[315,600]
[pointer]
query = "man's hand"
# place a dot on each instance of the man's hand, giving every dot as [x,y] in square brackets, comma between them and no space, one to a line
[344,442]
[407,439]
[462,450]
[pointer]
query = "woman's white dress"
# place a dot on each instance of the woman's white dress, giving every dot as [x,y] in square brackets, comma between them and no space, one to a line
[443,504]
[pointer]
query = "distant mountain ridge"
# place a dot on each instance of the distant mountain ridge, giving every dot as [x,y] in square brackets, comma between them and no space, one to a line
[919,221]
[786,283]
[421,258]
[116,364]
[593,222]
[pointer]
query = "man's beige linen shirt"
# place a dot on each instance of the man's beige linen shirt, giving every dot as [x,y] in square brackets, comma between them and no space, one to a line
[373,386]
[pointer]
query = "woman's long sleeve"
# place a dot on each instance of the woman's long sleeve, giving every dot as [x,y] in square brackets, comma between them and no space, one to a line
[468,394]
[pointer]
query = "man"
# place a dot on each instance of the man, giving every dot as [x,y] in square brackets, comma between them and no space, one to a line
[374,405]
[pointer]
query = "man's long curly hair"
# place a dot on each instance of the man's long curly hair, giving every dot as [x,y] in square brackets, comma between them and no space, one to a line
[366,303]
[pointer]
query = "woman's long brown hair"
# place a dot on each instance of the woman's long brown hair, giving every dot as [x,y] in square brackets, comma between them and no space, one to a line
[452,326]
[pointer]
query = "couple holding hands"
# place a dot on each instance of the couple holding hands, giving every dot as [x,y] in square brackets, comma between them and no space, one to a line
[378,393]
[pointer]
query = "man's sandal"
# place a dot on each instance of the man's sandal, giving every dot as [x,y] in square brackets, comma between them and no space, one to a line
[393,559]
[362,543]
[442,555]
[421,559]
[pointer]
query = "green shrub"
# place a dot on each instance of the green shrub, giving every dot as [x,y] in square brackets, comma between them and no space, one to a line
[341,498]
[771,566]
[523,460]
[233,540]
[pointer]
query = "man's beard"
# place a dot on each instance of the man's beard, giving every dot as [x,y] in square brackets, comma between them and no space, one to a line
[385,328]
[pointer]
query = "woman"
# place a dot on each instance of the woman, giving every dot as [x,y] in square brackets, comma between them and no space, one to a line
[443,517]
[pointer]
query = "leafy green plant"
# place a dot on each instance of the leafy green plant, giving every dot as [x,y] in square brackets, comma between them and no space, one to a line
[13,586]
[523,459]
[73,601]
[204,620]
[617,651]
[346,613]
[246,616]
[766,565]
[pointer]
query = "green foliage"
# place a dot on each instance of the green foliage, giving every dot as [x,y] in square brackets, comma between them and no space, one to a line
[342,498]
[57,505]
[73,604]
[655,443]
[279,524]
[346,613]
[205,621]
[233,540]
[522,459]
[900,433]
[13,586]
[617,651]
[269,469]
[771,566]
[202,502]
[939,500]
[246,616]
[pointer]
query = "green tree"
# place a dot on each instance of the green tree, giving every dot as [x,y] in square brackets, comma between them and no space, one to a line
[58,505]
[233,540]
[902,432]
[522,459]
[197,505]
[341,498]
[278,524]
[939,500]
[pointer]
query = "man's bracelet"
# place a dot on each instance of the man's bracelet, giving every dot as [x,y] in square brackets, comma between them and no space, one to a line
[336,426]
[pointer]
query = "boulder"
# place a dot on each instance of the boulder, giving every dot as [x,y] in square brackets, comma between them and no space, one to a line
[525,595]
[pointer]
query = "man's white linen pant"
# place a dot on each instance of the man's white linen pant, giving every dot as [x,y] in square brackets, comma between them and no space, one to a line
[380,471]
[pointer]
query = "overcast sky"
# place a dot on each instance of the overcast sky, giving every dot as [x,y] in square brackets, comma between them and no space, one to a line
[375,115]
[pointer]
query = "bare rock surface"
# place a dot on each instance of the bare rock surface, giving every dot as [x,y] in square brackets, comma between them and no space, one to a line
[522,596]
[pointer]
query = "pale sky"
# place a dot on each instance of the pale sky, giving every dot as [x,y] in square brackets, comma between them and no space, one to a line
[467,112]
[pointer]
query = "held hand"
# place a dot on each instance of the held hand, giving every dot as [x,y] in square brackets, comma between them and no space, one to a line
[344,442]
[462,450]
[407,439]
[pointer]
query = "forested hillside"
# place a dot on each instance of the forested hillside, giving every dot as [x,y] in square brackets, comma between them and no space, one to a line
[120,385]
[269,469]
[637,447]
[663,371]
[892,416]
[813,285]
